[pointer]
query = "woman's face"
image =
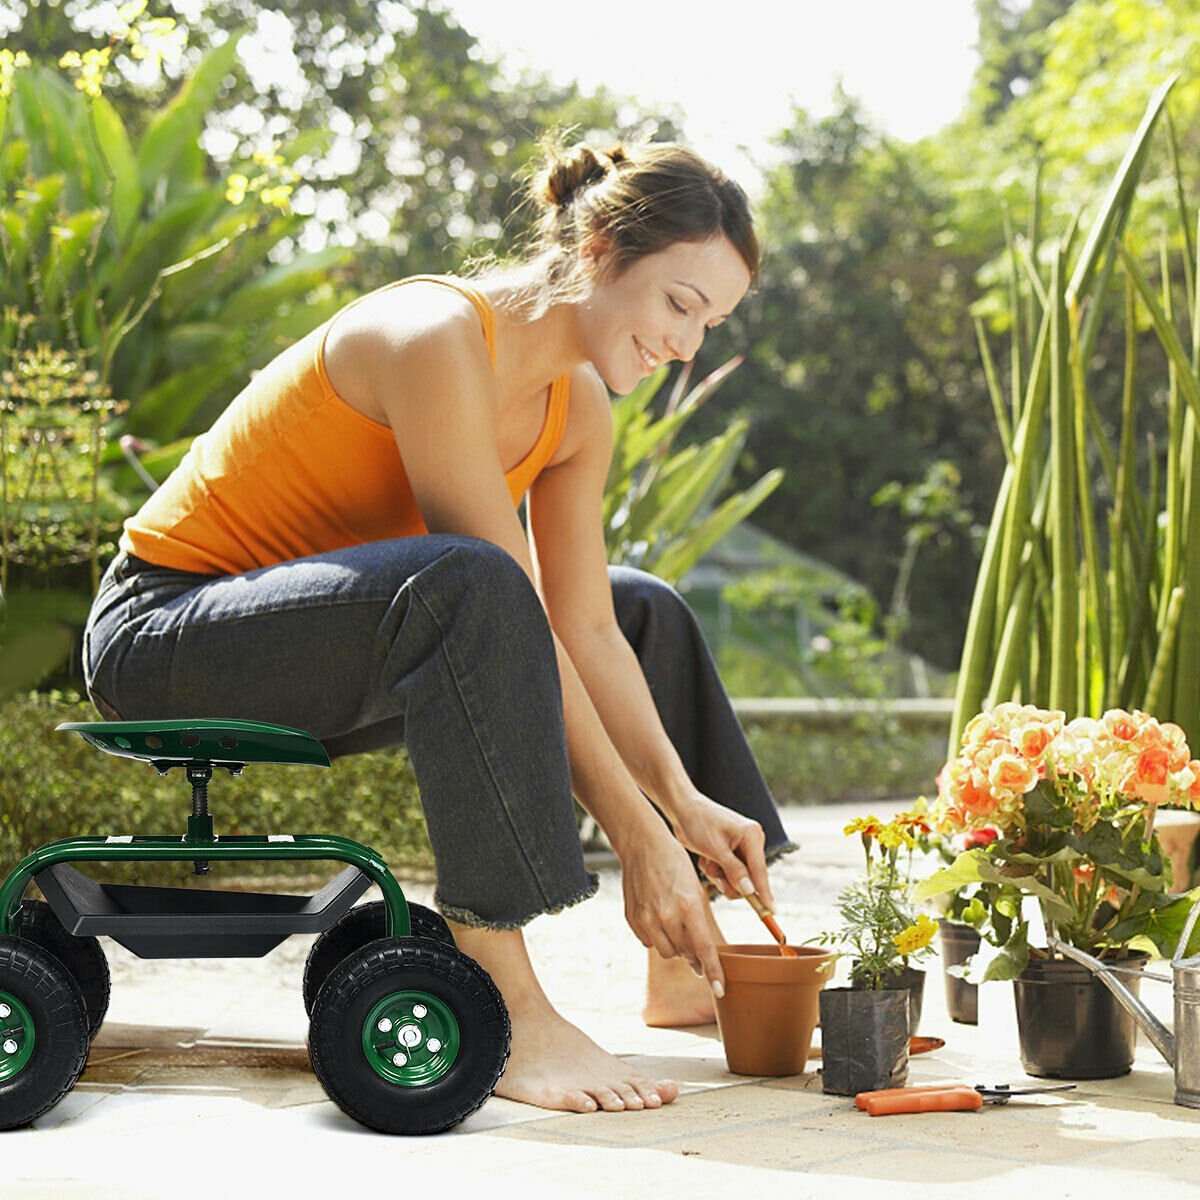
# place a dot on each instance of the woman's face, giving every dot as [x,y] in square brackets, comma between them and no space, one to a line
[659,308]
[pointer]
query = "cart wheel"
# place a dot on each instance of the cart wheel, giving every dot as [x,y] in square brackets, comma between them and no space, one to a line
[81,955]
[361,925]
[43,1031]
[409,1036]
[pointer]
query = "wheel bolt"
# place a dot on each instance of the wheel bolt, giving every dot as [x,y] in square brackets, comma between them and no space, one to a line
[10,1047]
[419,1010]
[399,1059]
[5,1011]
[384,1025]
[434,1045]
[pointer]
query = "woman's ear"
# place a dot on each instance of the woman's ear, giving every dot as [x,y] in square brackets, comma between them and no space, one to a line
[594,253]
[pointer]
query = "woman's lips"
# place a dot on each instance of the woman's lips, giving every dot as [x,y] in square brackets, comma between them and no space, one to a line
[649,361]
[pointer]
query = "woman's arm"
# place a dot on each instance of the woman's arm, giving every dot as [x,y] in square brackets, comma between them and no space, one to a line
[444,421]
[571,563]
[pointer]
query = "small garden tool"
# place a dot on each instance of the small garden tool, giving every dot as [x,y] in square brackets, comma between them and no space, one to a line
[944,1097]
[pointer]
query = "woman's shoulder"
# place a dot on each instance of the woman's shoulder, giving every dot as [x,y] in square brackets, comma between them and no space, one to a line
[378,335]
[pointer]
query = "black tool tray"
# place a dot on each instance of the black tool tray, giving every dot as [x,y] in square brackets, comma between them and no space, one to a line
[159,922]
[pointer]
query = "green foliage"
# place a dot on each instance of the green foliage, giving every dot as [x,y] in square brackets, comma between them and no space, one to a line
[1063,617]
[660,507]
[866,759]
[54,785]
[876,911]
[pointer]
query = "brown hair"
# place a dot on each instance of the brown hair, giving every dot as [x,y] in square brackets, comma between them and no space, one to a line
[640,199]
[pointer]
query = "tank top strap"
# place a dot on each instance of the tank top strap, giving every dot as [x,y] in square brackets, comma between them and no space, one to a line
[483,307]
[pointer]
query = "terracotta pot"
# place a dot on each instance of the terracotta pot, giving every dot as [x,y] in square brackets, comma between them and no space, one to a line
[769,1010]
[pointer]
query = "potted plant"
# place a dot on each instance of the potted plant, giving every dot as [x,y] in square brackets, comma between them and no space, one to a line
[1073,806]
[962,913]
[865,1027]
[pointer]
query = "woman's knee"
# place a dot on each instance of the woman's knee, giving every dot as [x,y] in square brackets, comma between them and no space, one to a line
[639,594]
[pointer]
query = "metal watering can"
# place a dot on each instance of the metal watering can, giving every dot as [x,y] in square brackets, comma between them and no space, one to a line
[1182,1048]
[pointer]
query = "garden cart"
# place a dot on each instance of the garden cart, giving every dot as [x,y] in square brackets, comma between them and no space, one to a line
[407,1034]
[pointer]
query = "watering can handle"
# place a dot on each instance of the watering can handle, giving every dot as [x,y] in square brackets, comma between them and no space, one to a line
[1186,937]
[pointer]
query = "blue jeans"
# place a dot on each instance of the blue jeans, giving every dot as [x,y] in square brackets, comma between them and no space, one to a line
[439,642]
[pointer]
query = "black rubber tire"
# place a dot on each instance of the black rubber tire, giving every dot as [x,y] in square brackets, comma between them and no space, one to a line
[395,964]
[81,955]
[36,978]
[362,924]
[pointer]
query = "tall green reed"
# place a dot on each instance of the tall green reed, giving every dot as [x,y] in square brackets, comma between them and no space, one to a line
[1070,612]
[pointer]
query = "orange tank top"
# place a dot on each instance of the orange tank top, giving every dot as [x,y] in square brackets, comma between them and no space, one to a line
[291,469]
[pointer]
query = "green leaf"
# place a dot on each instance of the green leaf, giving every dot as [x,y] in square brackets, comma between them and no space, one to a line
[264,295]
[1161,919]
[682,554]
[1004,963]
[182,121]
[117,149]
[1115,207]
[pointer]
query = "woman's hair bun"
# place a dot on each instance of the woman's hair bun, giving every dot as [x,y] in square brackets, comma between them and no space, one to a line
[570,170]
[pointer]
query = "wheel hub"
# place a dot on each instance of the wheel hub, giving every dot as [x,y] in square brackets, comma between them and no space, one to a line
[411,1038]
[16,1035]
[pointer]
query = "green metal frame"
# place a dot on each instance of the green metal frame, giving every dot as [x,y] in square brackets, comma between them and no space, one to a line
[215,849]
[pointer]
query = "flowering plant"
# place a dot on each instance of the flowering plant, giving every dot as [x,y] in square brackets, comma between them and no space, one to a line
[877,921]
[1068,811]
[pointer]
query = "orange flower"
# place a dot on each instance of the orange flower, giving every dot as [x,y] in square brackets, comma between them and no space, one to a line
[1193,792]
[978,801]
[1120,725]
[867,826]
[1009,773]
[1031,740]
[1153,765]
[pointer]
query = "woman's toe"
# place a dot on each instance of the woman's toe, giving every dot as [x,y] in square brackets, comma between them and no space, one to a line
[629,1095]
[648,1092]
[609,1100]
[667,1090]
[579,1101]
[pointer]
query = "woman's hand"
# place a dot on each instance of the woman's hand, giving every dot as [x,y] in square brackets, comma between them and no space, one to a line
[666,906]
[730,847]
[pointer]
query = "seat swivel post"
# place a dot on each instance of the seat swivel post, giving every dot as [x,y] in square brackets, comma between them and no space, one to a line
[200,824]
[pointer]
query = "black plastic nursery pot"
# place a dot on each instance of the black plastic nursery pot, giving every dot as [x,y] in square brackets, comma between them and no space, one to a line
[1070,1025]
[912,981]
[864,1040]
[959,942]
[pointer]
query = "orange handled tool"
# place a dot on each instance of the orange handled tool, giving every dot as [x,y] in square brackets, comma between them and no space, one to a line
[943,1097]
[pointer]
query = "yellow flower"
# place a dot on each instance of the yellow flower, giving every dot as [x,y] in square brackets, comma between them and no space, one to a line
[867,826]
[895,835]
[917,936]
[9,62]
[235,190]
[278,196]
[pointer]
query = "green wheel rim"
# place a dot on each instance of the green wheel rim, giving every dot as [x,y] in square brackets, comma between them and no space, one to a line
[16,1035]
[411,1038]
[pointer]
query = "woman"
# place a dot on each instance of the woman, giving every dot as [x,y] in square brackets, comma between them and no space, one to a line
[342,553]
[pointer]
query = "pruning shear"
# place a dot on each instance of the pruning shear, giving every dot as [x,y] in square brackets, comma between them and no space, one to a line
[945,1097]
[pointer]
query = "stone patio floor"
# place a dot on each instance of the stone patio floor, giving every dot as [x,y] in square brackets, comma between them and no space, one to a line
[199,1084]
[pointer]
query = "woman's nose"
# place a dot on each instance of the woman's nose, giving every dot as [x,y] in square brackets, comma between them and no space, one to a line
[686,345]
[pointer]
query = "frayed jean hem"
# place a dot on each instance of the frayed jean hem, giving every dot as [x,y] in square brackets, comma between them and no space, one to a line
[465,916]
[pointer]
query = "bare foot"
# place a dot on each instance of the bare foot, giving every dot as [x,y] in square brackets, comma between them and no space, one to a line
[553,1064]
[676,997]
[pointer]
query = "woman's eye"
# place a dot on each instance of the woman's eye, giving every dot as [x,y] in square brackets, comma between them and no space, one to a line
[676,305]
